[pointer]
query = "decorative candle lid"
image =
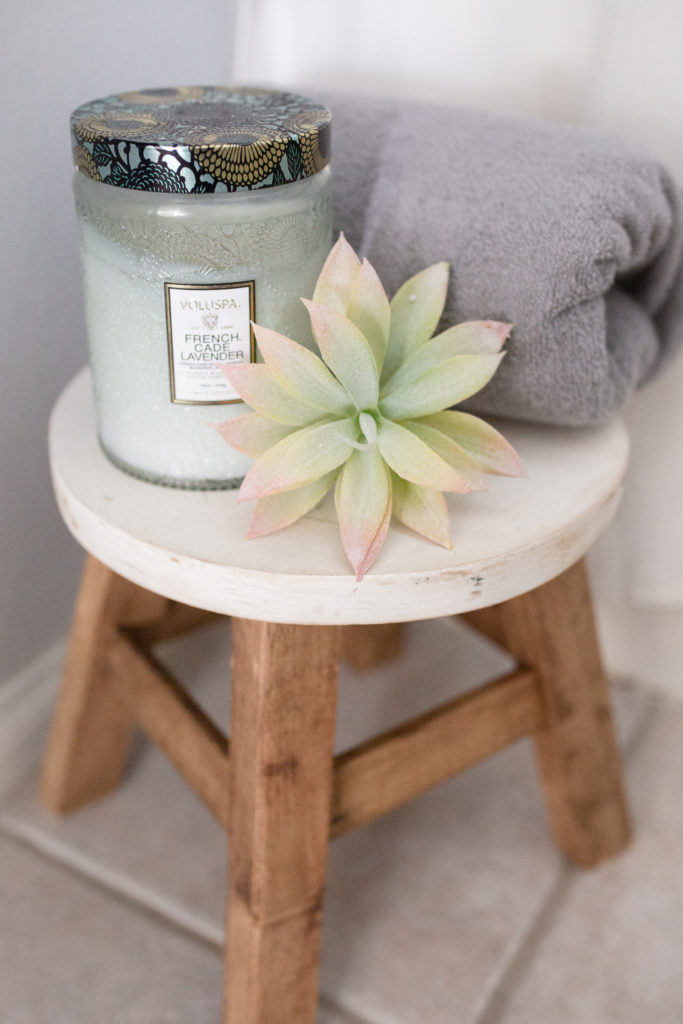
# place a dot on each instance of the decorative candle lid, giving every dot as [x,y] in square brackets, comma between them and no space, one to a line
[201,139]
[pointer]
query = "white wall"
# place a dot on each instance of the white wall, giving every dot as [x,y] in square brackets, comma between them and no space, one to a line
[54,56]
[531,55]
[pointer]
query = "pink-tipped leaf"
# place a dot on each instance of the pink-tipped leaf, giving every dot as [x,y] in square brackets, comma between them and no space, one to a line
[316,422]
[413,460]
[280,510]
[450,452]
[482,442]
[363,502]
[347,353]
[301,372]
[337,277]
[476,337]
[446,384]
[422,509]
[256,386]
[252,434]
[368,309]
[300,458]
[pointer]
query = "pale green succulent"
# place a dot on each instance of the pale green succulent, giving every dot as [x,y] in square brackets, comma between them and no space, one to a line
[372,416]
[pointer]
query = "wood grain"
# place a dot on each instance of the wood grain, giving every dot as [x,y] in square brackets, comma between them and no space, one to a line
[283,714]
[389,770]
[174,721]
[487,621]
[92,727]
[177,620]
[551,630]
[367,646]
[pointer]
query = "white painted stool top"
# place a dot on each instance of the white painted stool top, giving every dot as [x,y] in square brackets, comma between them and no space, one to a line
[191,545]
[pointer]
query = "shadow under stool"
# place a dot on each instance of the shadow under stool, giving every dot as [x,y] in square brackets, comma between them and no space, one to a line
[162,561]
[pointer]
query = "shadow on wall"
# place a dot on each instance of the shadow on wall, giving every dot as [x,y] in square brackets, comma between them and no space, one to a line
[74,52]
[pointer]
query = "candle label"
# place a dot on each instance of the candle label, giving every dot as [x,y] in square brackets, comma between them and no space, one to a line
[208,326]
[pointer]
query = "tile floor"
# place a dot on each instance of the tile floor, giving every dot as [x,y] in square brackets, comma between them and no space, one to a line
[455,909]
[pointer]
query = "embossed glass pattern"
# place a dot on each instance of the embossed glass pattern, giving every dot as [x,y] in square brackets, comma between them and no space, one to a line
[132,244]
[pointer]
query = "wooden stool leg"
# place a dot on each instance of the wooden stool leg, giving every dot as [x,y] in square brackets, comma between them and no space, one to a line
[552,630]
[282,741]
[91,729]
[367,646]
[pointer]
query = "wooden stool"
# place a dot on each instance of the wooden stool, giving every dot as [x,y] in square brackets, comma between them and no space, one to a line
[164,558]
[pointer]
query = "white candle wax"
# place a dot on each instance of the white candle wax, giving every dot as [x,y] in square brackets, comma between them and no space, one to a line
[135,242]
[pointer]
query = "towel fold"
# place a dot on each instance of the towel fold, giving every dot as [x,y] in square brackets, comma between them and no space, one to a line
[574,237]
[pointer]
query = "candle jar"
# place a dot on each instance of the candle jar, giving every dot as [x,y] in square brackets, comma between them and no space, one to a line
[200,210]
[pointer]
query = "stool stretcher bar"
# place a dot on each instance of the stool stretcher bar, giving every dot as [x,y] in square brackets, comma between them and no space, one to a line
[370,779]
[174,721]
[398,765]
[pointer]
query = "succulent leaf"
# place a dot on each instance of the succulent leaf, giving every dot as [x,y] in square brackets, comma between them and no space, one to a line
[446,384]
[252,434]
[474,337]
[363,502]
[451,452]
[371,414]
[412,459]
[368,426]
[348,354]
[278,510]
[369,310]
[256,386]
[336,280]
[482,442]
[416,309]
[422,509]
[300,458]
[301,372]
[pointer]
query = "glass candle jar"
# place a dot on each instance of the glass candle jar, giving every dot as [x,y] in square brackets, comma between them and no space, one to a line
[200,210]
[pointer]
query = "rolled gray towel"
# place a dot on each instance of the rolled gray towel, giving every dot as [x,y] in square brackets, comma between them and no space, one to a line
[574,237]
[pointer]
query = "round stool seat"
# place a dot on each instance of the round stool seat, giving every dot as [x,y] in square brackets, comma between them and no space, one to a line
[191,545]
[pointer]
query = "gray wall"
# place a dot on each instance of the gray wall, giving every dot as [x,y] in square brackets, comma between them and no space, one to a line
[54,56]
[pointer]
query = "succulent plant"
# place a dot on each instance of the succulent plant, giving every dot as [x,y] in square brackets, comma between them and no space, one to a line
[371,417]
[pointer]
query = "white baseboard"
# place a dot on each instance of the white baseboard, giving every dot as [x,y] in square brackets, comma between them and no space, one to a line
[26,702]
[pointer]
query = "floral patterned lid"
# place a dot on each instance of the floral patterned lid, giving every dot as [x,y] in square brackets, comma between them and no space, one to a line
[197,139]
